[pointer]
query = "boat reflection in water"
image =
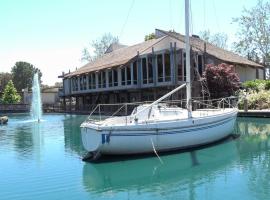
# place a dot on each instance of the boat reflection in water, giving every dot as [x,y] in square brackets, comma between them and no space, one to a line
[234,169]
[185,170]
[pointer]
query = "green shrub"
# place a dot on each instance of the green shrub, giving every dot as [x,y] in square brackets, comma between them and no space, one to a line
[257,84]
[267,84]
[256,99]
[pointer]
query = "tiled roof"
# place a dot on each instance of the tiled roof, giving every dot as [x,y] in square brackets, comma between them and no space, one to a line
[123,55]
[117,57]
[213,50]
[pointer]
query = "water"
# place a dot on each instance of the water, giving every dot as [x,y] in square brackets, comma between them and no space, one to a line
[36,110]
[43,161]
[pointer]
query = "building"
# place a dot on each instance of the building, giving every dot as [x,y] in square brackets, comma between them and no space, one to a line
[146,71]
[49,96]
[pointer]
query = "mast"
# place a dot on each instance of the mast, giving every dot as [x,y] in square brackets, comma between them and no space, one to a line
[188,81]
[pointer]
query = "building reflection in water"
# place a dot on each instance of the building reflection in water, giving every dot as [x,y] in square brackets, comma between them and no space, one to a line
[72,134]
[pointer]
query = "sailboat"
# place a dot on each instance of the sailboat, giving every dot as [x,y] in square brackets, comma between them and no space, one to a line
[159,127]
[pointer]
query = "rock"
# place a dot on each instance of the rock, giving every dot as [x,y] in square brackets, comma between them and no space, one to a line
[3,120]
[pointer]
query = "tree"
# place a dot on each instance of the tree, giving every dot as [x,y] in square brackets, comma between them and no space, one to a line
[100,46]
[4,79]
[58,84]
[10,94]
[86,55]
[253,35]
[218,39]
[149,36]
[22,75]
[222,80]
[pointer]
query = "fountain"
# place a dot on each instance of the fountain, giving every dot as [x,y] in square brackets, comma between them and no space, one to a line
[36,107]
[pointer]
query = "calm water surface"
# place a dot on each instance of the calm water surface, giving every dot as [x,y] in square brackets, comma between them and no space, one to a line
[43,161]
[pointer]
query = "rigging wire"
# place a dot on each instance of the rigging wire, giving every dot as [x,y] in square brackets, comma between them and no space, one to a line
[180,17]
[191,21]
[126,20]
[216,17]
[170,13]
[204,14]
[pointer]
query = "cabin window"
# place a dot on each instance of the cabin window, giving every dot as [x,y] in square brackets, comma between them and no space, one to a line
[150,69]
[167,63]
[115,77]
[110,75]
[160,67]
[135,74]
[128,71]
[144,70]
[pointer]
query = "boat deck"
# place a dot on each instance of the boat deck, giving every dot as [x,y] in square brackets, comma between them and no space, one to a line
[158,116]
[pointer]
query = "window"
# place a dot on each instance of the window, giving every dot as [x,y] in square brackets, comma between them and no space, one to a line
[200,64]
[75,84]
[144,70]
[92,81]
[167,63]
[115,77]
[128,71]
[83,82]
[110,75]
[99,79]
[123,75]
[135,74]
[150,69]
[179,66]
[103,79]
[184,63]
[160,67]
[72,84]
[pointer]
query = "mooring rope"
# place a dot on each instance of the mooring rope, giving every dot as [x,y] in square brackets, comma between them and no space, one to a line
[156,152]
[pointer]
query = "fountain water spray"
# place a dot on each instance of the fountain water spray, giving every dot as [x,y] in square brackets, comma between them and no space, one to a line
[36,107]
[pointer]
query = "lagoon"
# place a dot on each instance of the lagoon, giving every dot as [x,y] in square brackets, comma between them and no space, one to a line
[43,161]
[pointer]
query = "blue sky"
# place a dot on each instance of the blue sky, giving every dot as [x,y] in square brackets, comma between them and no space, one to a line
[52,33]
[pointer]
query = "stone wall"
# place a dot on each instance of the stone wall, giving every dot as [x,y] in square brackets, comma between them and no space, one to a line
[14,108]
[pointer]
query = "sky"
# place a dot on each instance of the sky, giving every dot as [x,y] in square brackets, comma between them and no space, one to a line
[50,34]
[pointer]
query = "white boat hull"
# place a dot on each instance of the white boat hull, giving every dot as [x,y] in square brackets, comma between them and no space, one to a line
[161,136]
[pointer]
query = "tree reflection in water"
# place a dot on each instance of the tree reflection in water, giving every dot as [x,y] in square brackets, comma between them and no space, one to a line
[253,147]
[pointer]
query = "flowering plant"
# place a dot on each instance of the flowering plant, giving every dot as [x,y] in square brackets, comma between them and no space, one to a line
[222,80]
